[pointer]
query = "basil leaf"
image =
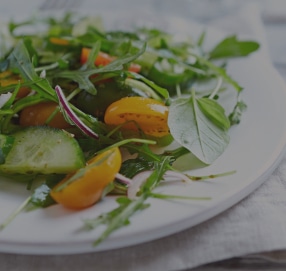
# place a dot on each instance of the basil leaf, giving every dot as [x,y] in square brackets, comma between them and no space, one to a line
[215,112]
[191,128]
[231,47]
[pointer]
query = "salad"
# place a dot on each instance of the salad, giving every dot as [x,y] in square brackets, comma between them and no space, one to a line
[86,113]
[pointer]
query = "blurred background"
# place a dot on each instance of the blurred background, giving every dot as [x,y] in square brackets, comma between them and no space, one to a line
[203,11]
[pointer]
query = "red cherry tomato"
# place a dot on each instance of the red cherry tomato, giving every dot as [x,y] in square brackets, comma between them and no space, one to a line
[103,59]
[38,114]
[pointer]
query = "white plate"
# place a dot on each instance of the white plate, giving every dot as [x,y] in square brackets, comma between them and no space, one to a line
[256,147]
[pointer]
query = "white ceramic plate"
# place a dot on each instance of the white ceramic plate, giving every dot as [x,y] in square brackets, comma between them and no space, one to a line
[255,149]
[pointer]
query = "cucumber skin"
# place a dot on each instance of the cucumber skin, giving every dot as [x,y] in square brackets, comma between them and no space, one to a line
[6,143]
[43,150]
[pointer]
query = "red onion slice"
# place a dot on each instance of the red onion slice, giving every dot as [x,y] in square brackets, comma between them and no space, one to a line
[137,182]
[4,98]
[123,179]
[74,118]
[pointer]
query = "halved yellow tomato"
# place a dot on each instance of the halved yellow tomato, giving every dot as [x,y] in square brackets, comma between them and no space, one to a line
[85,187]
[139,113]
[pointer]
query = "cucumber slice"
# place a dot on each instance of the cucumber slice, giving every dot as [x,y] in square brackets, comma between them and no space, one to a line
[6,143]
[43,150]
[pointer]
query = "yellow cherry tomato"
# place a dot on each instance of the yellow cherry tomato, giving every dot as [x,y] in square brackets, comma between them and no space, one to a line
[149,115]
[84,187]
[38,114]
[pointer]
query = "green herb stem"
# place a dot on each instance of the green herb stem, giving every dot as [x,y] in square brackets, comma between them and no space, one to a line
[12,216]
[217,88]
[164,196]
[212,176]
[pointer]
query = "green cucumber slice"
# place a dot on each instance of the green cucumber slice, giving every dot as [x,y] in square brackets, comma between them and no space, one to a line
[43,150]
[6,143]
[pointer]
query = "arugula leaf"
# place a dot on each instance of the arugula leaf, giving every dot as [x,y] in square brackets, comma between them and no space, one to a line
[131,167]
[41,196]
[119,217]
[146,159]
[157,174]
[19,59]
[220,71]
[232,47]
[191,128]
[82,77]
[235,115]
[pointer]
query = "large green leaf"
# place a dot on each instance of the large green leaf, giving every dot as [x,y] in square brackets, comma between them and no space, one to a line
[232,47]
[191,128]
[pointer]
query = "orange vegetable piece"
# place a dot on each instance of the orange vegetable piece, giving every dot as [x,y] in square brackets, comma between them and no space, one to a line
[7,78]
[103,59]
[150,115]
[84,188]
[38,114]
[59,41]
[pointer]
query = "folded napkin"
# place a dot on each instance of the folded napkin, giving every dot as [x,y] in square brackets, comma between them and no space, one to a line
[256,224]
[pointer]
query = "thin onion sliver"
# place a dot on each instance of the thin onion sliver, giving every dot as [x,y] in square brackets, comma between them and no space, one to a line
[74,118]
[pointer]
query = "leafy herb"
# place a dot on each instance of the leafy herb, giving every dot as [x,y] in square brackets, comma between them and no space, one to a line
[236,114]
[192,129]
[41,195]
[215,112]
[232,47]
